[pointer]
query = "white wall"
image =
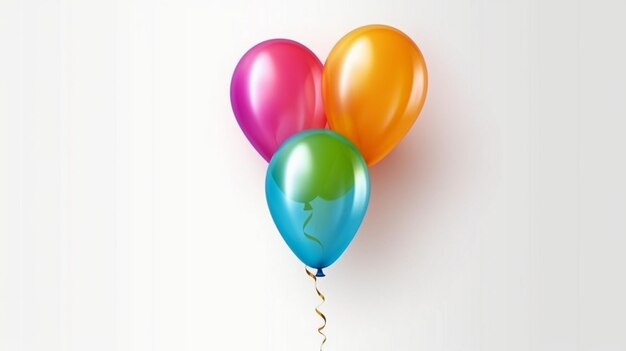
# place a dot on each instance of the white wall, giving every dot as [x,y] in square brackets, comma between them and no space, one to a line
[133,214]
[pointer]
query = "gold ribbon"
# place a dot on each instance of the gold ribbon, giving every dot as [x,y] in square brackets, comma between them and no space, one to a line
[317,309]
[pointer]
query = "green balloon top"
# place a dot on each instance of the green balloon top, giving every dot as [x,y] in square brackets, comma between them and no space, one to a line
[316,163]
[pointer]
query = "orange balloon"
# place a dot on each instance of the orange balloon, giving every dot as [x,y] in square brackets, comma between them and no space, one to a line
[374,86]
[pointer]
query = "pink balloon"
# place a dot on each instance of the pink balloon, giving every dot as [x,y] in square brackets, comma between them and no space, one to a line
[275,92]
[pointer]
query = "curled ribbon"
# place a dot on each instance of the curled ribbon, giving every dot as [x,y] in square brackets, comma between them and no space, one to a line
[307,207]
[317,309]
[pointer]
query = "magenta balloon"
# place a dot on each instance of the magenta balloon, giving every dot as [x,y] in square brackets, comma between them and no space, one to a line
[275,92]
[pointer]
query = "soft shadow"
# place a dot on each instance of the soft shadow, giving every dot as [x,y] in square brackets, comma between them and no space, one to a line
[431,186]
[402,186]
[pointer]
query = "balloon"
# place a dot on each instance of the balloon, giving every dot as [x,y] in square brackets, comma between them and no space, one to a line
[275,92]
[374,86]
[317,188]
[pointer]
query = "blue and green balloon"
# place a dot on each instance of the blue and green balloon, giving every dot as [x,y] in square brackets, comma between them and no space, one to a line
[317,188]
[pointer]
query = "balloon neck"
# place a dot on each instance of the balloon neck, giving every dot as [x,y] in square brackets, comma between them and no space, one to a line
[307,206]
[320,273]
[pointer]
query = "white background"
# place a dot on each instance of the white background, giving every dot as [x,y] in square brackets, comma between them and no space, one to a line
[133,213]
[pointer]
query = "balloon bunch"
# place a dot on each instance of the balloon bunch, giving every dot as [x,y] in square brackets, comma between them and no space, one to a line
[369,92]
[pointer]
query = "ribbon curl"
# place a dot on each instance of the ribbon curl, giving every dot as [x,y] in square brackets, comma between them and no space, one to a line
[307,207]
[317,309]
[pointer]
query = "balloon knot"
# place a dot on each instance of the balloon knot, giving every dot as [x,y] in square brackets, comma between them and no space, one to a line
[320,273]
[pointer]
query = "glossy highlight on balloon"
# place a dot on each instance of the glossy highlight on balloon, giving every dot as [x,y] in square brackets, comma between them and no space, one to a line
[317,188]
[374,86]
[276,92]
